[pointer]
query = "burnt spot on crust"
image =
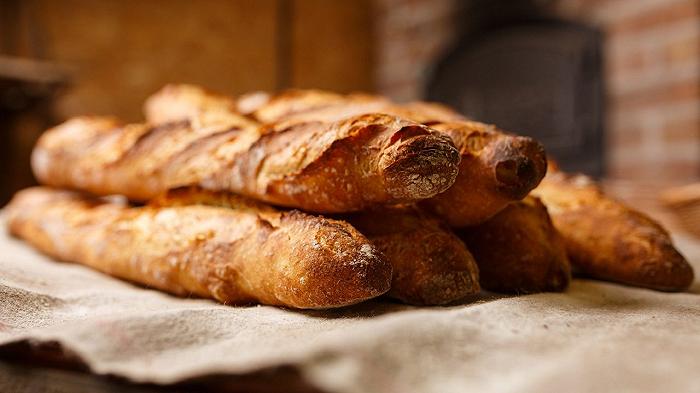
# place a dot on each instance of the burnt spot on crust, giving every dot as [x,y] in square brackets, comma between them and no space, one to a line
[520,163]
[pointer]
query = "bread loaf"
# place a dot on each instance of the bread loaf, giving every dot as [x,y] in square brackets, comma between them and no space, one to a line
[607,240]
[496,167]
[519,251]
[431,265]
[101,156]
[317,105]
[188,102]
[344,166]
[238,255]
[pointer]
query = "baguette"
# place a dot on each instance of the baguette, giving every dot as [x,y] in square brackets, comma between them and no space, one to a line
[317,105]
[176,102]
[519,251]
[189,102]
[322,167]
[293,104]
[496,167]
[606,240]
[248,103]
[99,155]
[431,265]
[239,255]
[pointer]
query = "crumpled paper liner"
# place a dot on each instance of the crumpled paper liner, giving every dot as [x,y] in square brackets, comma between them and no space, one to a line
[595,337]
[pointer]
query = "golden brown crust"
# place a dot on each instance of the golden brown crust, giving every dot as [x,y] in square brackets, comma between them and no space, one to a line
[292,104]
[323,167]
[609,241]
[496,168]
[317,105]
[431,265]
[188,102]
[235,256]
[132,160]
[345,166]
[519,251]
[248,103]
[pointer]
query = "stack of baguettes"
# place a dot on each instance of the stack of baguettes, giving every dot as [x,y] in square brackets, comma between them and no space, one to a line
[418,202]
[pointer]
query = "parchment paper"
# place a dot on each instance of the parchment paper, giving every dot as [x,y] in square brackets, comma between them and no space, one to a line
[595,337]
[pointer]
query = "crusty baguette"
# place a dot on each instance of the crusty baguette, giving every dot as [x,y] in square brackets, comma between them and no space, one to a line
[101,156]
[293,103]
[237,255]
[609,241]
[176,102]
[519,251]
[317,105]
[316,166]
[248,103]
[496,167]
[431,265]
[189,102]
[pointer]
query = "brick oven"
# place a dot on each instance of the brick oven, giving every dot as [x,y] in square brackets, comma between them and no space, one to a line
[644,122]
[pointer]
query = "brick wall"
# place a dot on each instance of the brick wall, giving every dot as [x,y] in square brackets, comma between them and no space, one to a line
[652,73]
[410,36]
[652,66]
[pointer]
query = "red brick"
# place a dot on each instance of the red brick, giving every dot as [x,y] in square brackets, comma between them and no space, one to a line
[673,93]
[627,62]
[684,50]
[626,138]
[644,170]
[684,169]
[682,131]
[665,14]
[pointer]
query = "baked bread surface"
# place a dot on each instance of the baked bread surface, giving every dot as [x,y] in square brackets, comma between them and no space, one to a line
[609,241]
[242,254]
[519,250]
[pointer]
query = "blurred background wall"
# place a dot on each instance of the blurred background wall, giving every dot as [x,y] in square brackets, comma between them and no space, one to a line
[650,57]
[120,51]
[617,92]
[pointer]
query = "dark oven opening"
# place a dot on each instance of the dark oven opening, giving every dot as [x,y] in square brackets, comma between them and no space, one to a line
[531,74]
